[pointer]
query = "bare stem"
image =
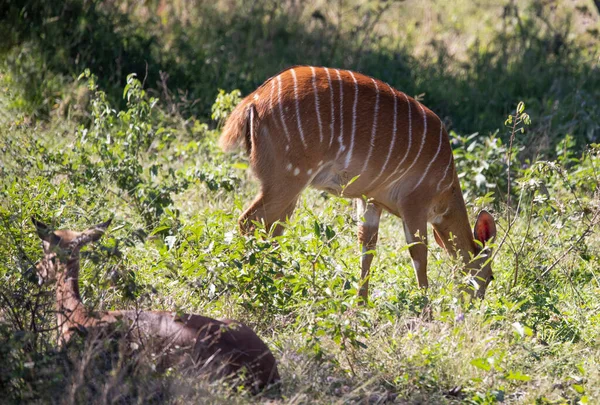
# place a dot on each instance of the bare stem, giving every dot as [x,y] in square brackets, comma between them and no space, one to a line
[587,230]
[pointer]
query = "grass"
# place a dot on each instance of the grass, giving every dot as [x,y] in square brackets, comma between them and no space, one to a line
[174,244]
[533,340]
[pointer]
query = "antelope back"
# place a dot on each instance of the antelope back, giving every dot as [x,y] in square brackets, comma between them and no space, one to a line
[326,126]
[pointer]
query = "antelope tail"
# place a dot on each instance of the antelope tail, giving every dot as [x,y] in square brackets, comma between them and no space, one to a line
[239,127]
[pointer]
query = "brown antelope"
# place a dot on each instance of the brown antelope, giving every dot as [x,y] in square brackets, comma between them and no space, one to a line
[223,347]
[323,127]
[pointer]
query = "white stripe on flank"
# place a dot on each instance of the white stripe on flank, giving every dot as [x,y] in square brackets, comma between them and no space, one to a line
[332,107]
[445,174]
[340,137]
[349,155]
[420,148]
[314,83]
[395,127]
[285,129]
[252,124]
[374,129]
[298,108]
[409,141]
[432,160]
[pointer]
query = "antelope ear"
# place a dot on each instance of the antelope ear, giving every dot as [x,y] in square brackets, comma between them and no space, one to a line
[438,239]
[43,230]
[103,226]
[94,233]
[485,227]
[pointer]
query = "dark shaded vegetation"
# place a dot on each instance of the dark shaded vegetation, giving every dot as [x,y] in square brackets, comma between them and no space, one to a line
[185,56]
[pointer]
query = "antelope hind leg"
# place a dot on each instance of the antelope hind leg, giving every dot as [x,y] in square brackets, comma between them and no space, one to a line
[368,215]
[269,208]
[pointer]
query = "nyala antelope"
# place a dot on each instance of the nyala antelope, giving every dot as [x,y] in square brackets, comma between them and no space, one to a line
[221,348]
[323,127]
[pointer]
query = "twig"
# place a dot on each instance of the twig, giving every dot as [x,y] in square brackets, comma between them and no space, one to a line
[572,190]
[11,308]
[368,33]
[593,167]
[508,157]
[516,276]
[506,233]
[145,75]
[576,243]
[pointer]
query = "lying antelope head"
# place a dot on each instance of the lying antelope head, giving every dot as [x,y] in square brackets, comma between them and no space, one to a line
[221,348]
[61,249]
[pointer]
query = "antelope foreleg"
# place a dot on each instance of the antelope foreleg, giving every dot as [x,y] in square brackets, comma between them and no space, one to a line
[415,231]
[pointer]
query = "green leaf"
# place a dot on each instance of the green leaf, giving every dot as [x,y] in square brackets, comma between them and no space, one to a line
[317,229]
[517,376]
[159,229]
[242,166]
[481,364]
[352,180]
[126,89]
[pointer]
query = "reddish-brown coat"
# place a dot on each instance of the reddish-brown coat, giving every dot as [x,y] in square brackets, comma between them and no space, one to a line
[406,168]
[221,347]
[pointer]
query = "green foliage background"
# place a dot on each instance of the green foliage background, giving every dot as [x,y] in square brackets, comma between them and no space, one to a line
[108,109]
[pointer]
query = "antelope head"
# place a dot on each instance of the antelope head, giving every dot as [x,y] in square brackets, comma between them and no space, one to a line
[61,248]
[480,267]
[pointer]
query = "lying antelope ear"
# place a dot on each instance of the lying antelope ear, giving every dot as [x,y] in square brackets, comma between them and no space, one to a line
[104,225]
[43,230]
[485,227]
[94,233]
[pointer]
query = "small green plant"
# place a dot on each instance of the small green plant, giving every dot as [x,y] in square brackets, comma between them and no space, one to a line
[480,165]
[124,142]
[224,104]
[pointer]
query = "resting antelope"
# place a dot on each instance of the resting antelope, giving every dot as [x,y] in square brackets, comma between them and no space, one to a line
[222,347]
[323,127]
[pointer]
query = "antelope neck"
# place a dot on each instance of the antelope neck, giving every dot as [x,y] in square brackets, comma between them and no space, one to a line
[461,229]
[68,301]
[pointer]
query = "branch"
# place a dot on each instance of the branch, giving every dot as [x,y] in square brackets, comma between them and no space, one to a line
[577,242]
